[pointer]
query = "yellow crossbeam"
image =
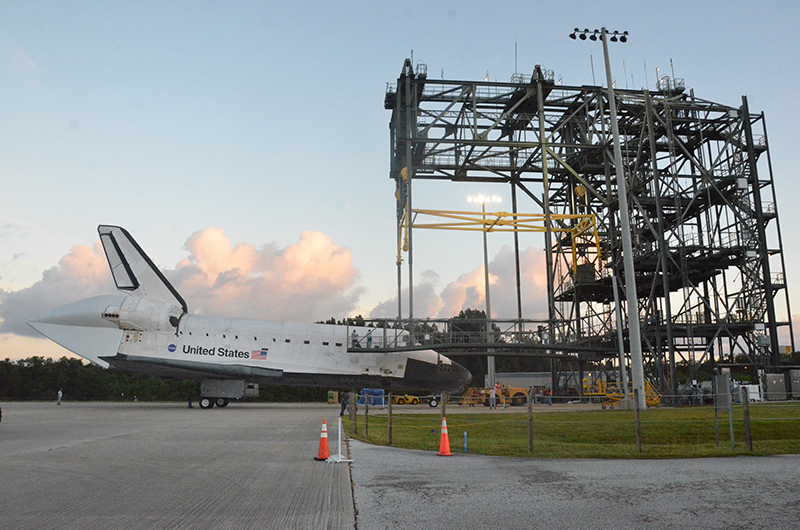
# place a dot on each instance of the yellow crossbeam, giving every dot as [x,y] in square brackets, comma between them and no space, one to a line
[504,222]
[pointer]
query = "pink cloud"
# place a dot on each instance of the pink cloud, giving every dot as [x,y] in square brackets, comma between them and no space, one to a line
[81,273]
[783,333]
[468,290]
[311,280]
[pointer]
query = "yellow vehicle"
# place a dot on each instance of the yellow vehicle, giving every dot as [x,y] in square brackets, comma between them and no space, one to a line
[474,396]
[614,395]
[406,399]
[507,395]
[599,388]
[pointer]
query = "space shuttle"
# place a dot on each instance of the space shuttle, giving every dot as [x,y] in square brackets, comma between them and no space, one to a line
[147,329]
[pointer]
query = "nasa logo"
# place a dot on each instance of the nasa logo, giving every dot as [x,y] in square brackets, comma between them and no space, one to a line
[171,348]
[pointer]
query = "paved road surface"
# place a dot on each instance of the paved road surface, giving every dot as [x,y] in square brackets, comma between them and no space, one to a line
[149,466]
[153,466]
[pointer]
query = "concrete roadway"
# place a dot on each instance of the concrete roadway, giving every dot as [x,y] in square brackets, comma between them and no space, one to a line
[152,466]
[149,466]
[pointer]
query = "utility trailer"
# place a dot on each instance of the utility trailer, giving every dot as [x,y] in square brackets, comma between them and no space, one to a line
[219,392]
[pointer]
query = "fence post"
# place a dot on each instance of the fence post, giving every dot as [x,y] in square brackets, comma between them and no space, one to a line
[366,416]
[389,422]
[638,423]
[353,415]
[730,410]
[746,410]
[530,420]
[715,389]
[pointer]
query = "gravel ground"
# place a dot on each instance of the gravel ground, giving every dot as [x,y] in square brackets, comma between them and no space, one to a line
[402,489]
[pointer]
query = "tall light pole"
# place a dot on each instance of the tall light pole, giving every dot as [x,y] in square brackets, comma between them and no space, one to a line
[637,365]
[490,371]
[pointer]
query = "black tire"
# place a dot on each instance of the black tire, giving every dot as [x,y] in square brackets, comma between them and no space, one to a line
[221,402]
[206,403]
[518,399]
[433,403]
[401,401]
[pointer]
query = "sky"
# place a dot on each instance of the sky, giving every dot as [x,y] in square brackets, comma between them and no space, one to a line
[246,148]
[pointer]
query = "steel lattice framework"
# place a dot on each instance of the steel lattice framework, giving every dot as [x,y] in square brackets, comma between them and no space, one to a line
[709,264]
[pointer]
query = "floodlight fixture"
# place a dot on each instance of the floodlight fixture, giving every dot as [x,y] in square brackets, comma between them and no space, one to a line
[482,199]
[599,34]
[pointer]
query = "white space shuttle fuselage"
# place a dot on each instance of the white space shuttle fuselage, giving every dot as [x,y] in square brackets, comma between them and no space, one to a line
[147,329]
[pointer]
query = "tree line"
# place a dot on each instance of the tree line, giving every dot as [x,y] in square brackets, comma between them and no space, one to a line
[40,379]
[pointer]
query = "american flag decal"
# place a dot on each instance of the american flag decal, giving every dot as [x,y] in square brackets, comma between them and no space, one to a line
[259,354]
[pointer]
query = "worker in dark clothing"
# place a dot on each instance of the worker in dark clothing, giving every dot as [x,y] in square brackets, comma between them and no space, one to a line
[344,399]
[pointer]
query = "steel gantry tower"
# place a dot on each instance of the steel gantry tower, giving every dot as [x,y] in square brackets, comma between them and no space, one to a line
[707,249]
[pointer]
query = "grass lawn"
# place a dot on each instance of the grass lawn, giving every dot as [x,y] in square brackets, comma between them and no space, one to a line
[686,432]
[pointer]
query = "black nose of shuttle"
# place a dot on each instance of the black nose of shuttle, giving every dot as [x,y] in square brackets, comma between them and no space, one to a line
[460,377]
[448,376]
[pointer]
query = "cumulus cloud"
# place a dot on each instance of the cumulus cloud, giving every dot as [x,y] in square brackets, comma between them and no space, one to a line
[311,280]
[427,300]
[469,290]
[82,273]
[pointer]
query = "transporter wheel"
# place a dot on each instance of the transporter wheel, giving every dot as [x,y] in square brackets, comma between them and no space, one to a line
[206,403]
[433,402]
[221,402]
[518,399]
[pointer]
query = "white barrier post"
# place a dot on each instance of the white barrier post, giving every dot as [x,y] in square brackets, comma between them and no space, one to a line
[335,459]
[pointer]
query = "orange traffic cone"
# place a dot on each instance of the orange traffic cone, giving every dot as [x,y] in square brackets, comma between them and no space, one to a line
[444,444]
[324,453]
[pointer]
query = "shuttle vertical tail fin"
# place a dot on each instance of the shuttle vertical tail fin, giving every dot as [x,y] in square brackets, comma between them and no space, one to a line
[134,273]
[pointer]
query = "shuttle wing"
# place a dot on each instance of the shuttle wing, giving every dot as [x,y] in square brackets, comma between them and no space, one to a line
[134,273]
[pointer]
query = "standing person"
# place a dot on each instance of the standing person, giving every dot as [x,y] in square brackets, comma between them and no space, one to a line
[492,398]
[354,335]
[59,397]
[190,401]
[547,396]
[344,398]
